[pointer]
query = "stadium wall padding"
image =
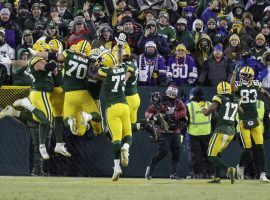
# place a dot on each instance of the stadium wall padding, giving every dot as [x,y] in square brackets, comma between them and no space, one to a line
[92,155]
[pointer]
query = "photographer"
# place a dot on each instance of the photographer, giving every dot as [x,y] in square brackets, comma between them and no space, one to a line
[165,115]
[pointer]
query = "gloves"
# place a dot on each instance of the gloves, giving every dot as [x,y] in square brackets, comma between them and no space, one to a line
[5,60]
[32,51]
[236,69]
[121,39]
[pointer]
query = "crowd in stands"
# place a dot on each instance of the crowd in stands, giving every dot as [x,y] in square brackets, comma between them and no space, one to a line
[187,42]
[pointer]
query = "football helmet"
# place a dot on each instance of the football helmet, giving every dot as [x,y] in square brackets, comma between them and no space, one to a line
[246,75]
[83,47]
[224,88]
[125,51]
[56,46]
[41,46]
[108,60]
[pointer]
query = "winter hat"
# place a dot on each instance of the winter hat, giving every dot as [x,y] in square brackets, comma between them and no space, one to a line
[35,5]
[181,47]
[260,36]
[211,20]
[267,8]
[150,44]
[26,32]
[234,37]
[172,90]
[127,19]
[5,11]
[247,15]
[182,21]
[163,14]
[218,47]
[151,22]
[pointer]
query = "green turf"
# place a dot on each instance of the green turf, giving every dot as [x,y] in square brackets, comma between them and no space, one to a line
[54,188]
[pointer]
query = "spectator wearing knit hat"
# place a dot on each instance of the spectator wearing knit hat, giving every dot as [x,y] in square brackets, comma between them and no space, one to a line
[260,48]
[265,30]
[26,42]
[164,28]
[215,69]
[104,37]
[150,34]
[12,29]
[36,16]
[249,25]
[233,51]
[183,36]
[213,32]
[64,12]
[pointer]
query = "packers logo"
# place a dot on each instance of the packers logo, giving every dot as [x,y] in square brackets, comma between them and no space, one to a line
[250,123]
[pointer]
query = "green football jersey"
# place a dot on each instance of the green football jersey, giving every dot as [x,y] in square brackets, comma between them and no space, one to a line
[228,106]
[113,85]
[131,84]
[248,96]
[41,80]
[76,67]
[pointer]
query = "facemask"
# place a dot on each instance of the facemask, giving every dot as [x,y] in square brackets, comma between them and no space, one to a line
[205,47]
[61,10]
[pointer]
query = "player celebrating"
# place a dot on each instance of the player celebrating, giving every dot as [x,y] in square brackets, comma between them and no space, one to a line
[249,126]
[117,110]
[226,105]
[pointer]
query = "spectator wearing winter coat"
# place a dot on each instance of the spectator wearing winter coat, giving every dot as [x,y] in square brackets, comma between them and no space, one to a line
[12,30]
[213,32]
[211,11]
[26,42]
[197,30]
[266,32]
[260,48]
[249,24]
[164,28]
[215,69]
[150,34]
[105,38]
[36,16]
[189,13]
[257,9]
[183,36]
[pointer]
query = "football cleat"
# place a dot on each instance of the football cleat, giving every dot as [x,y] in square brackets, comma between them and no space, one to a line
[174,176]
[61,149]
[124,156]
[72,125]
[43,152]
[240,172]
[25,102]
[8,111]
[231,174]
[117,172]
[148,173]
[263,178]
[214,180]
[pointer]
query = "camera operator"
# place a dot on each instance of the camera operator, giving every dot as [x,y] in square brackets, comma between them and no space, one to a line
[165,115]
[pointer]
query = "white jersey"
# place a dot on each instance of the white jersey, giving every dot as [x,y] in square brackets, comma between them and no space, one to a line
[7,51]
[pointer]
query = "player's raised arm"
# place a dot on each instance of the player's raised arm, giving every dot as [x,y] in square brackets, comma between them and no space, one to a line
[48,55]
[233,79]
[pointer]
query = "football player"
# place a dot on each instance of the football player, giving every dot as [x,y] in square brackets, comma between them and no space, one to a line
[227,105]
[248,90]
[117,110]
[79,105]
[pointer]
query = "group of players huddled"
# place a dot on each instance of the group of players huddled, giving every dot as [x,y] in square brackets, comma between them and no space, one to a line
[66,87]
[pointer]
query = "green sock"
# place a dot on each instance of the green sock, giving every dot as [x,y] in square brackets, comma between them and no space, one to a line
[260,153]
[127,139]
[43,131]
[116,149]
[218,162]
[58,129]
[26,116]
[41,116]
[96,117]
[244,155]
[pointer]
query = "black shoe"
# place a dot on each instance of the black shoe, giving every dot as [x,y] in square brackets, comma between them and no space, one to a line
[149,173]
[174,176]
[215,180]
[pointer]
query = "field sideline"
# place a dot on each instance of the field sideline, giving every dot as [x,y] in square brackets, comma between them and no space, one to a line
[60,188]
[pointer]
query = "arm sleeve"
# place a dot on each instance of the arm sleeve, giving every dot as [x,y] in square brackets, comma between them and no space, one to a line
[180,112]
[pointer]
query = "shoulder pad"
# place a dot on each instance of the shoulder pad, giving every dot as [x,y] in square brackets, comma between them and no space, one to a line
[217,98]
[256,83]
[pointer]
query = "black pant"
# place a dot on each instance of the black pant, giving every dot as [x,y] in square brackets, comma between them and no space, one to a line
[197,156]
[168,142]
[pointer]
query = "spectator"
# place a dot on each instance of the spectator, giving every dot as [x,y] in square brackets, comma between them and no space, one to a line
[181,68]
[223,27]
[215,69]
[164,28]
[63,10]
[13,31]
[203,51]
[249,25]
[98,16]
[27,41]
[39,30]
[260,48]
[104,38]
[183,36]
[23,14]
[238,11]
[7,51]
[151,66]
[266,62]
[197,30]
[150,34]
[211,12]
[266,32]
[189,13]
[233,51]
[36,16]
[148,15]
[152,4]
[257,9]
[212,31]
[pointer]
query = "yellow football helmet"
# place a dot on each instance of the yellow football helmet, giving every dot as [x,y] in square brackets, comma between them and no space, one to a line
[224,88]
[56,46]
[246,75]
[41,46]
[83,47]
[109,60]
[126,53]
